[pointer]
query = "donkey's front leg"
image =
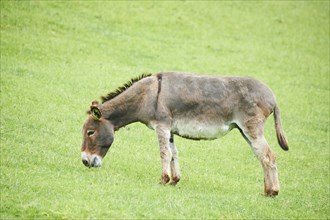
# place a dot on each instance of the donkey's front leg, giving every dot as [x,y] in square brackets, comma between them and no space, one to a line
[174,163]
[165,152]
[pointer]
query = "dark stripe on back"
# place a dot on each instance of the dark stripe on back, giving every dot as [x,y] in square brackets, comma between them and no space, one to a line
[159,79]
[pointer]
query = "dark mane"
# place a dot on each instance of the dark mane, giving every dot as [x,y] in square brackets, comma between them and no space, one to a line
[123,88]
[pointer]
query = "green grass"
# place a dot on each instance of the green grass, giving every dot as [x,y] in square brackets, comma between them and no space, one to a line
[56,57]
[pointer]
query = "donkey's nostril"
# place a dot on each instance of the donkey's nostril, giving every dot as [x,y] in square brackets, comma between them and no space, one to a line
[85,162]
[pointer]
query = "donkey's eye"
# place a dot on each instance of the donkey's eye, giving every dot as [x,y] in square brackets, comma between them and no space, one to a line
[90,133]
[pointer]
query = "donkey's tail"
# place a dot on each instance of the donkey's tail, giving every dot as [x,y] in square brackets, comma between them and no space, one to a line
[279,130]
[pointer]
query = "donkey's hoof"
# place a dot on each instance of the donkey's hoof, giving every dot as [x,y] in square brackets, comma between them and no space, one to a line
[165,179]
[175,180]
[271,193]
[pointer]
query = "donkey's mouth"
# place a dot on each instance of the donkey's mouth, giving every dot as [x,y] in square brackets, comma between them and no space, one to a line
[91,160]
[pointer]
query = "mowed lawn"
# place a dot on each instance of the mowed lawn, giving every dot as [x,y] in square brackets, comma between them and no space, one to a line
[56,57]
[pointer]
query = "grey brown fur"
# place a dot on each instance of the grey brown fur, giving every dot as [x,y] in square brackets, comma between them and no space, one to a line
[192,106]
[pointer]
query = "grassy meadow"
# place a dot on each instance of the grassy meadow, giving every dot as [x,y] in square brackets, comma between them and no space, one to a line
[58,56]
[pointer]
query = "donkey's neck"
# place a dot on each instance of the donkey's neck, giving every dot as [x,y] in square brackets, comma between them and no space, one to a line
[124,108]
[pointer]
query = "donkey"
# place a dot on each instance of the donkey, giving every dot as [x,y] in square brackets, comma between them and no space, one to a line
[197,107]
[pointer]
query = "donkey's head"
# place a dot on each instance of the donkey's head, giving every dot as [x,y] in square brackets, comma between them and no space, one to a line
[97,137]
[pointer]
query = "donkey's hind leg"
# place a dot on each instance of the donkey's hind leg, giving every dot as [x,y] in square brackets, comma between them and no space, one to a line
[268,161]
[174,162]
[253,133]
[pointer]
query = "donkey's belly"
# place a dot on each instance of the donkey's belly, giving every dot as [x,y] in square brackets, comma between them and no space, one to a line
[199,130]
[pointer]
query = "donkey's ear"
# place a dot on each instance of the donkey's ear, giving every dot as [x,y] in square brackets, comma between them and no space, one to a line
[95,103]
[95,111]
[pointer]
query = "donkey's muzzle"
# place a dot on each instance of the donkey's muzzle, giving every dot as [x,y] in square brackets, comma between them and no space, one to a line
[91,160]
